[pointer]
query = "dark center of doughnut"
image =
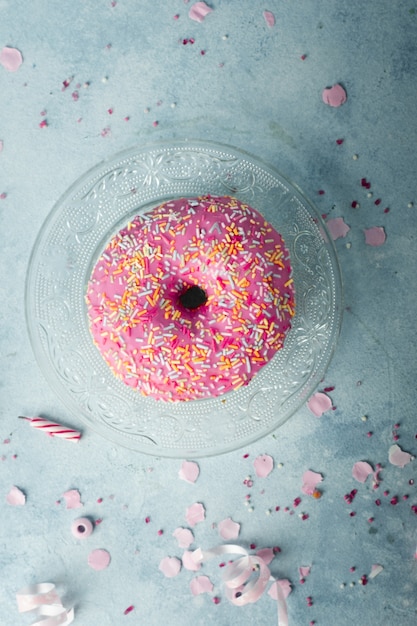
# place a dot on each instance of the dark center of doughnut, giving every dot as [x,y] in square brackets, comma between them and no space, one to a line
[193,297]
[81,529]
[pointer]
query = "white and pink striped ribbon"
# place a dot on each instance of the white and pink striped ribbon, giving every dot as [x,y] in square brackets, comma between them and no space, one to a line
[44,601]
[53,429]
[246,578]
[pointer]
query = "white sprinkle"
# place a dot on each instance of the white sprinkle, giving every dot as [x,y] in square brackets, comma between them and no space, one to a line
[410,205]
[364,418]
[355,157]
[369,194]
[250,509]
[342,586]
[280,465]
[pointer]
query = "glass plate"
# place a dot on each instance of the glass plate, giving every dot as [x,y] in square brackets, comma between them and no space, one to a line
[73,237]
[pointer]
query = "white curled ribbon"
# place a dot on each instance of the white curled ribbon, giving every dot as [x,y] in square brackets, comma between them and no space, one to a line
[46,603]
[246,578]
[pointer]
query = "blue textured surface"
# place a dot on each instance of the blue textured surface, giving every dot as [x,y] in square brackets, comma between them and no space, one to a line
[250,89]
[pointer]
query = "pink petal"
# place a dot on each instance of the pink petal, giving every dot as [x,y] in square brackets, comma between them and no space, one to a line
[398,457]
[263,465]
[189,562]
[375,236]
[266,554]
[16,497]
[269,18]
[170,566]
[228,529]
[304,570]
[195,513]
[319,403]
[99,559]
[184,537]
[375,570]
[198,11]
[285,586]
[337,227]
[11,59]
[72,499]
[201,584]
[334,96]
[310,481]
[1,145]
[189,471]
[361,471]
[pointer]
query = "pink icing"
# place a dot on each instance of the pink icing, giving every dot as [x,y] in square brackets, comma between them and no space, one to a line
[169,352]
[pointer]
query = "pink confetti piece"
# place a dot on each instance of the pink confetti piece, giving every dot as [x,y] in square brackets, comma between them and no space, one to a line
[334,96]
[72,499]
[195,513]
[337,227]
[375,236]
[310,481]
[99,559]
[269,18]
[361,470]
[319,403]
[189,563]
[228,529]
[44,601]
[53,429]
[16,497]
[266,554]
[1,145]
[189,471]
[128,610]
[263,465]
[285,586]
[170,566]
[198,11]
[184,537]
[399,457]
[11,59]
[201,584]
[304,570]
[375,570]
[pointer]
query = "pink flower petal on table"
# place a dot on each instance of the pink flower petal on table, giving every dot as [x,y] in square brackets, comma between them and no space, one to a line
[228,529]
[201,584]
[285,585]
[198,11]
[170,566]
[375,570]
[189,471]
[184,537]
[99,559]
[375,236]
[269,18]
[16,497]
[266,554]
[72,499]
[195,513]
[337,227]
[319,403]
[304,570]
[334,96]
[310,481]
[11,59]
[361,470]
[398,457]
[189,562]
[263,465]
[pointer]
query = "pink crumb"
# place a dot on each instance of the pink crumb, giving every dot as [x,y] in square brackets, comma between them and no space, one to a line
[128,610]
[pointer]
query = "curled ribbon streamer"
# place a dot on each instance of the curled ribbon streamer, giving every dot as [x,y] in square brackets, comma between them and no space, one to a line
[44,600]
[245,578]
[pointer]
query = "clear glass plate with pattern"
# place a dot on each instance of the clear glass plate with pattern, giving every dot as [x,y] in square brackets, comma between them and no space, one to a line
[72,239]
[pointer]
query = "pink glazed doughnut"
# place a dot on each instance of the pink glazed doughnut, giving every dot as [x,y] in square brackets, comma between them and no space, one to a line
[189,300]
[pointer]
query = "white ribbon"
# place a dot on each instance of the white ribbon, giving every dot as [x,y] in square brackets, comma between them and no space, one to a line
[46,603]
[246,578]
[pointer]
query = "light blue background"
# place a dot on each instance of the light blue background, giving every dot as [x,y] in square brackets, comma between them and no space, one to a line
[250,89]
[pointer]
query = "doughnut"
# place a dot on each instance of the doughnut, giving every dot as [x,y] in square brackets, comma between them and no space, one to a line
[190,299]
